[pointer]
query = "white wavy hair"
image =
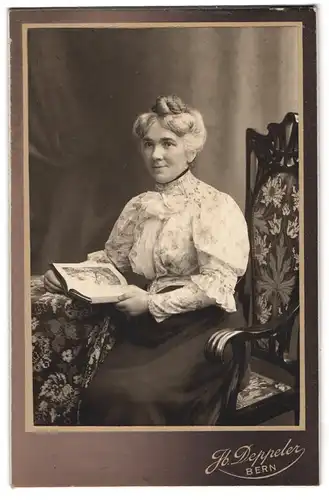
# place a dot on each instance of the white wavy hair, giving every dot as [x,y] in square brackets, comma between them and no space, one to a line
[174,115]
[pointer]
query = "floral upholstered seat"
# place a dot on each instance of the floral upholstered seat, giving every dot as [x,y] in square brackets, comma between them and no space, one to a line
[258,389]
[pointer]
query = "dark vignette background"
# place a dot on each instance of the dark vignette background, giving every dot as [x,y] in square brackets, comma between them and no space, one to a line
[136,458]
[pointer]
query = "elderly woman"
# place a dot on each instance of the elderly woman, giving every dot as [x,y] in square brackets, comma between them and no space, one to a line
[190,242]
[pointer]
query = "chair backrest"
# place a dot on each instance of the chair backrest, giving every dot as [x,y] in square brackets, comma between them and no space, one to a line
[272,211]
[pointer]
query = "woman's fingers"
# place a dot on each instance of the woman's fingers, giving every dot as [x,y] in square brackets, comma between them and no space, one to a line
[124,297]
[132,291]
[122,305]
[127,295]
[52,287]
[125,305]
[52,278]
[51,282]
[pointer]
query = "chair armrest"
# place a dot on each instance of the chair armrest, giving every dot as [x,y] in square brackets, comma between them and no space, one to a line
[215,346]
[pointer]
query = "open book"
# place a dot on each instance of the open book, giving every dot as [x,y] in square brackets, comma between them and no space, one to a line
[91,281]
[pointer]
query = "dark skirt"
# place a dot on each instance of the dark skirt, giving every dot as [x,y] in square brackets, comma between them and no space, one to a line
[157,373]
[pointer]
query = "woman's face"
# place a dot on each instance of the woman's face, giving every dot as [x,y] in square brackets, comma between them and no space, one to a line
[164,154]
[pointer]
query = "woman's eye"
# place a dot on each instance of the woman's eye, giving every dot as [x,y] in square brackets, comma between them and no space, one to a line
[168,144]
[147,144]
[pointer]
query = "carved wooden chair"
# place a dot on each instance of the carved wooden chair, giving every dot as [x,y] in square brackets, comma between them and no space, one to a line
[271,286]
[70,339]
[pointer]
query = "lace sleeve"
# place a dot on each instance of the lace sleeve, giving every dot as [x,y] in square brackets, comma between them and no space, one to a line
[220,237]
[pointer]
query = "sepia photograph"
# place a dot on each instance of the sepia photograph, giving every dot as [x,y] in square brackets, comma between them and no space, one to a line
[164,246]
[171,153]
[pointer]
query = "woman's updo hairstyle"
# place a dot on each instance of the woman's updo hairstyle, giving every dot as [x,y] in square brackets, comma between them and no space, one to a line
[174,115]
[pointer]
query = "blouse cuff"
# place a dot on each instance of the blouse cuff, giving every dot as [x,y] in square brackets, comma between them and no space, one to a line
[155,309]
[187,298]
[218,288]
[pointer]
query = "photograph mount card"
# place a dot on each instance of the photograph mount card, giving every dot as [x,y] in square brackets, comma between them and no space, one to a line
[167,167]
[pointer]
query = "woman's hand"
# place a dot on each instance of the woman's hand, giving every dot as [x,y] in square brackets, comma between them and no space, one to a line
[134,302]
[51,283]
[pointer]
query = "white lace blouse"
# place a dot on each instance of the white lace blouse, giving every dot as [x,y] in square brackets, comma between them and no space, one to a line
[183,233]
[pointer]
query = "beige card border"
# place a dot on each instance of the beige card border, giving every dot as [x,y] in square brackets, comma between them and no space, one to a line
[29,426]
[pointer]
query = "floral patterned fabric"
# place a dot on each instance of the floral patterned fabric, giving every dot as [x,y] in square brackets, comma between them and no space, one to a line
[275,246]
[69,340]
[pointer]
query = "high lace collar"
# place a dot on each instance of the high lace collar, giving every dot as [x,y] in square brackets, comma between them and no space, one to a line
[177,185]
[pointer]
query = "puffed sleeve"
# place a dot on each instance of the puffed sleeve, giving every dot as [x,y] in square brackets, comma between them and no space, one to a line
[121,239]
[220,237]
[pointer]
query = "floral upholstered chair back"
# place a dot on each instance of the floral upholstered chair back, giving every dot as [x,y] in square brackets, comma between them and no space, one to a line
[273,216]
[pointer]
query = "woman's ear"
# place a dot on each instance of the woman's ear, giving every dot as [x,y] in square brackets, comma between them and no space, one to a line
[190,155]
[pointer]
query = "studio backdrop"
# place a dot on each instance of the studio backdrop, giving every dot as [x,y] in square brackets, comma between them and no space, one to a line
[86,87]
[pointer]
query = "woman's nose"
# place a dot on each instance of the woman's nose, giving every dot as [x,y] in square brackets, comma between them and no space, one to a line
[157,153]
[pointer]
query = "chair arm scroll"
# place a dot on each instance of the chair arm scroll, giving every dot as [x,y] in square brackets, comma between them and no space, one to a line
[217,343]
